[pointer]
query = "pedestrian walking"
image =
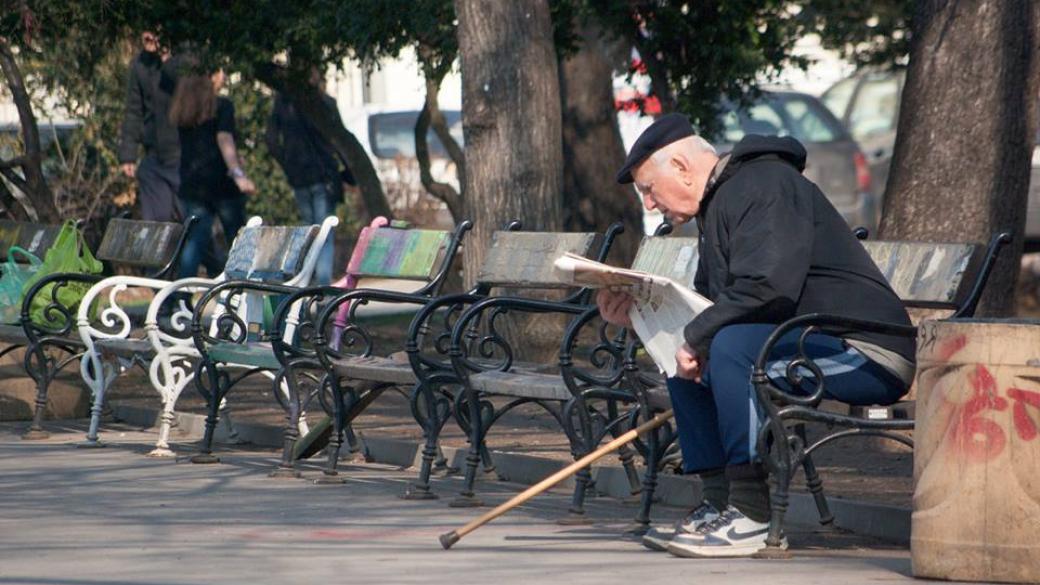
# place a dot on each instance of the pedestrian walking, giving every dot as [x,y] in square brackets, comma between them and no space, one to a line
[309,164]
[213,183]
[146,127]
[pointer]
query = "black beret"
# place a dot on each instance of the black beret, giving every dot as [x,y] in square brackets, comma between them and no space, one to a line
[664,131]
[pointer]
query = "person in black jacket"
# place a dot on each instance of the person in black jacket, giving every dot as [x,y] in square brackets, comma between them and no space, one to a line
[146,126]
[771,247]
[213,183]
[309,165]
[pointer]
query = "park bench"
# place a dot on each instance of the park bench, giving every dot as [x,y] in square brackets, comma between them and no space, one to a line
[358,370]
[53,345]
[925,276]
[286,347]
[587,389]
[165,348]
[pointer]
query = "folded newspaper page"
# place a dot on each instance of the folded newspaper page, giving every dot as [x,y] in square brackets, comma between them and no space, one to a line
[661,310]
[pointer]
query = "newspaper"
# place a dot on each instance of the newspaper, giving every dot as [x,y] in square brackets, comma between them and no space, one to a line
[661,310]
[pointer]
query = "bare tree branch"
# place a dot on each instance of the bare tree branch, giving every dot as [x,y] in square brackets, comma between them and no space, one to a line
[12,206]
[34,185]
[15,179]
[435,74]
[442,191]
[14,162]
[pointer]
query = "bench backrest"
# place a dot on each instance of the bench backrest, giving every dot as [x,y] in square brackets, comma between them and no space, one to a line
[675,258]
[926,275]
[391,252]
[140,243]
[271,254]
[35,238]
[525,259]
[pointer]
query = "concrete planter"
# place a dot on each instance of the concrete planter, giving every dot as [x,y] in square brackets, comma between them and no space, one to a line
[976,508]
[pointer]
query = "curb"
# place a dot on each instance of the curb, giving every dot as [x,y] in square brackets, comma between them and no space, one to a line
[889,523]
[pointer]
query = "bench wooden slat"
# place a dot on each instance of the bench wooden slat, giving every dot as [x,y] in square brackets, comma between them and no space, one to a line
[33,237]
[13,334]
[377,369]
[675,258]
[525,259]
[140,243]
[522,385]
[269,253]
[923,272]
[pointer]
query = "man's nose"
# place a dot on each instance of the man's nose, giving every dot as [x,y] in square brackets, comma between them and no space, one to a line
[648,203]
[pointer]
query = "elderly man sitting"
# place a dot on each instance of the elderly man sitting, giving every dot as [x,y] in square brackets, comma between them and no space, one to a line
[771,247]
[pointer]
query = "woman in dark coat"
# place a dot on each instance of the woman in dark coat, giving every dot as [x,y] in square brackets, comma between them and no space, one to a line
[212,180]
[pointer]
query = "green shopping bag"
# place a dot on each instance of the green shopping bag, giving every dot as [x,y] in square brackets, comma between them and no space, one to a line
[12,282]
[69,253]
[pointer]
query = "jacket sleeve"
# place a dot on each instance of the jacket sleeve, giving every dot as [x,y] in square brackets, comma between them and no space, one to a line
[769,247]
[132,131]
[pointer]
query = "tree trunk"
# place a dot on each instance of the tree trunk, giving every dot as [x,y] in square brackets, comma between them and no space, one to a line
[511,119]
[328,122]
[38,201]
[961,163]
[593,151]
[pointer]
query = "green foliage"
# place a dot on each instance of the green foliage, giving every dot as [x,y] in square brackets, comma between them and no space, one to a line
[707,50]
[86,81]
[873,33]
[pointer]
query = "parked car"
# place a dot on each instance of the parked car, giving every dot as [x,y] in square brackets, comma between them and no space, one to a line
[388,137]
[867,103]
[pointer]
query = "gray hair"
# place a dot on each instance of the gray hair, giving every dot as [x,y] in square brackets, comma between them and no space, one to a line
[694,142]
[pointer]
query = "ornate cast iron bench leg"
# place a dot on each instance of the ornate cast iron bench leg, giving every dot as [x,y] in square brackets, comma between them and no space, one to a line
[813,481]
[431,412]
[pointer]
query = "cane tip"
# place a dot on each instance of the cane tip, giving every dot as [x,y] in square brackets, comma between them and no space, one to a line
[449,538]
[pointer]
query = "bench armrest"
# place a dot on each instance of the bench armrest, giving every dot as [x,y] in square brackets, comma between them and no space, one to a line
[811,323]
[607,356]
[489,310]
[63,316]
[227,325]
[450,306]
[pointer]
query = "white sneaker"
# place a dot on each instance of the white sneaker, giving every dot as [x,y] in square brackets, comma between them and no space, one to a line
[657,538]
[732,534]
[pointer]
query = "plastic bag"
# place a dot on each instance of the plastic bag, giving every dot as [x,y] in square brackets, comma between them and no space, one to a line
[69,253]
[12,282]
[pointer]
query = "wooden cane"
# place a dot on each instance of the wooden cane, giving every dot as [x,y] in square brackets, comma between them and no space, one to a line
[449,538]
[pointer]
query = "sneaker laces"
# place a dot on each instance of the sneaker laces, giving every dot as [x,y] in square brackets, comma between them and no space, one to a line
[725,517]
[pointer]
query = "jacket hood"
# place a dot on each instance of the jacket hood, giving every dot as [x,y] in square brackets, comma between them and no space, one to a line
[750,147]
[754,145]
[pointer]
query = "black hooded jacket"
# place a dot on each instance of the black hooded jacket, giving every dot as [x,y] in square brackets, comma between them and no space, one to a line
[773,247]
[144,119]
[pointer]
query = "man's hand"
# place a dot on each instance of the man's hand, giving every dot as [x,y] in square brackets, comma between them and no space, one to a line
[689,365]
[614,306]
[129,169]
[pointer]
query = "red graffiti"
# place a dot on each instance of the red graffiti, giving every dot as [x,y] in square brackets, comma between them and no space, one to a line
[1025,426]
[979,438]
[952,346]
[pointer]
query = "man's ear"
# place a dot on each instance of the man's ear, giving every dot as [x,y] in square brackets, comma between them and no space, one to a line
[682,166]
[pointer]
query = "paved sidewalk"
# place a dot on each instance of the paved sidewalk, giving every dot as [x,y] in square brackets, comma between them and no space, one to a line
[113,516]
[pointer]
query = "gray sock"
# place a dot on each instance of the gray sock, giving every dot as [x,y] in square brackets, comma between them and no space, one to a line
[715,488]
[751,497]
